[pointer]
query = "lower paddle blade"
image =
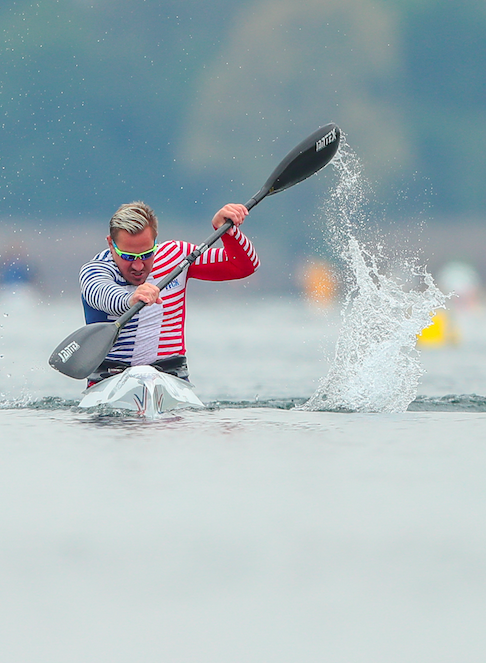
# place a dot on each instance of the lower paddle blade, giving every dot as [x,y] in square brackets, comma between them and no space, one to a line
[312,154]
[84,350]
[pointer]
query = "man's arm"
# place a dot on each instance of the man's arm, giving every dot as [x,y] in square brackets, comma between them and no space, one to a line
[100,290]
[236,260]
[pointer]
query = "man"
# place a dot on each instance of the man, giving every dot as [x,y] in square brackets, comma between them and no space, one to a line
[127,272]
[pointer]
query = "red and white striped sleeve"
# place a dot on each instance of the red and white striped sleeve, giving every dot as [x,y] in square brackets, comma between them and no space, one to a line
[236,260]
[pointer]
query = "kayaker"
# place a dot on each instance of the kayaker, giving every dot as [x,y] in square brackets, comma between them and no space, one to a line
[127,272]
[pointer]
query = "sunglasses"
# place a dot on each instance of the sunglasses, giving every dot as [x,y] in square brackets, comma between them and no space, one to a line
[134,256]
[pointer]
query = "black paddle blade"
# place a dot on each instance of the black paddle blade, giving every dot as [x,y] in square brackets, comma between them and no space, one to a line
[312,154]
[84,350]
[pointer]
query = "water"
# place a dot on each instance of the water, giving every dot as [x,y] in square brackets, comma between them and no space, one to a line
[253,530]
[249,531]
[389,300]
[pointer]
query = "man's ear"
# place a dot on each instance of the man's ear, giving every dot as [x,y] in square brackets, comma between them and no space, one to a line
[110,246]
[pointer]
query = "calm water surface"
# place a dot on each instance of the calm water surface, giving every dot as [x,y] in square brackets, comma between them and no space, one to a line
[249,531]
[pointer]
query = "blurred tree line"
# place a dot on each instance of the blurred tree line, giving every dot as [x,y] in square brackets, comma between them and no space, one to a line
[188,105]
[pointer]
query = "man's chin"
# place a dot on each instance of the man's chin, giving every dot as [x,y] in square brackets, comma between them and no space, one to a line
[137,280]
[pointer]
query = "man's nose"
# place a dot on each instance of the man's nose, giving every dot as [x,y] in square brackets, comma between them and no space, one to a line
[138,264]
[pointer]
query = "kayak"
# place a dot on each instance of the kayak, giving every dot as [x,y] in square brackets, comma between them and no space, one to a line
[144,390]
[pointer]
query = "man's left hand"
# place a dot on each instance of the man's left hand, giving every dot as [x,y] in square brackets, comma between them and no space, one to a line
[233,211]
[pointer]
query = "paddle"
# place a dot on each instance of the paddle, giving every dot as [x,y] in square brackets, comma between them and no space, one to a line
[84,350]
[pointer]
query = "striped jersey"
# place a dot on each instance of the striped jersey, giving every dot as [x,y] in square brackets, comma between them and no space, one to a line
[157,331]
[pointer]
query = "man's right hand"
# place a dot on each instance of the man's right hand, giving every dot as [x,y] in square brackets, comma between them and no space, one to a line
[148,293]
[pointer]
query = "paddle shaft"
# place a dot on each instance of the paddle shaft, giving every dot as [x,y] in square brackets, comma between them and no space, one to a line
[187,262]
[84,350]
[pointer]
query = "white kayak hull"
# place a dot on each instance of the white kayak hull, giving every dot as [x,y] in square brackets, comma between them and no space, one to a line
[144,390]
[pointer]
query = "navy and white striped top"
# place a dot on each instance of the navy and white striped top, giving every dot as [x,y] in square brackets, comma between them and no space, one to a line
[158,331]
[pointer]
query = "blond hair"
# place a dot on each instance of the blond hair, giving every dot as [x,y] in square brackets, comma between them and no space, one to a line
[133,217]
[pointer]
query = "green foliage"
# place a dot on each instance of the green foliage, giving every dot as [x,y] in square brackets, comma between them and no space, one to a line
[91,101]
[444,55]
[177,102]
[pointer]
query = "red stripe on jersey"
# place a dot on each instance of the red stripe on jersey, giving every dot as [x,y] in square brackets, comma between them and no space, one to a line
[237,259]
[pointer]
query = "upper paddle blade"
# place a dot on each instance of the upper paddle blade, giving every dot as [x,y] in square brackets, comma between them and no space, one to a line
[84,350]
[312,154]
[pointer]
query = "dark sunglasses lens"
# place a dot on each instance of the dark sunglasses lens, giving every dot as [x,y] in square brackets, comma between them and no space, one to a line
[142,256]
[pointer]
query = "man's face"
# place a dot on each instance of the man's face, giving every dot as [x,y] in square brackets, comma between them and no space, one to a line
[133,271]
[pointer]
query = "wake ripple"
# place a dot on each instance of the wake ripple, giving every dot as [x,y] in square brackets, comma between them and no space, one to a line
[449,403]
[471,403]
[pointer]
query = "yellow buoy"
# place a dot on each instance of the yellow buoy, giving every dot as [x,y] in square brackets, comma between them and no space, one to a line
[442,331]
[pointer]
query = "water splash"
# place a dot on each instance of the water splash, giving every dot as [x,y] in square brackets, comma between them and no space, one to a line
[388,301]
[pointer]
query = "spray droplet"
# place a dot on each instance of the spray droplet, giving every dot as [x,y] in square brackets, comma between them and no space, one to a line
[376,367]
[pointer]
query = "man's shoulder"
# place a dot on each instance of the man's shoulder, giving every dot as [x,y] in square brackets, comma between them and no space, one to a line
[103,256]
[101,263]
[173,246]
[167,245]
